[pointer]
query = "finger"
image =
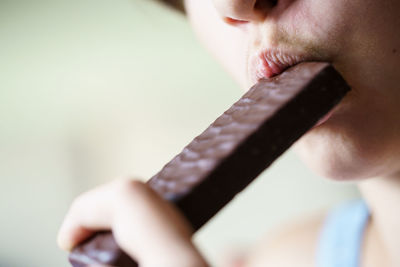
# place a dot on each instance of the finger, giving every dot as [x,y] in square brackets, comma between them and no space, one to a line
[145,226]
[90,212]
[152,231]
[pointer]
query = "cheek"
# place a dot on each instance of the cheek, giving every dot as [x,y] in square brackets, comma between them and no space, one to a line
[226,43]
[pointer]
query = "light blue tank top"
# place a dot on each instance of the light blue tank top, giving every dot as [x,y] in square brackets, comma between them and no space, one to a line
[341,237]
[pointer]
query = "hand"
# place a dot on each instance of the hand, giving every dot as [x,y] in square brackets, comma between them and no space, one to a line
[145,226]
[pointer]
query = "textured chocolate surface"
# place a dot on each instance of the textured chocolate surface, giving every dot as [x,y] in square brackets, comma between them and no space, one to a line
[241,143]
[103,249]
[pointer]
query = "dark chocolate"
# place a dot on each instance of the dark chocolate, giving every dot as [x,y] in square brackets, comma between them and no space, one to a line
[238,146]
[100,249]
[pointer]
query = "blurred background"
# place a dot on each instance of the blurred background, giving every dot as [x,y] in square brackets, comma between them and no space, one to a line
[92,90]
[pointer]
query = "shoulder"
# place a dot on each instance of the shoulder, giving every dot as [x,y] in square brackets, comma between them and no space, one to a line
[293,244]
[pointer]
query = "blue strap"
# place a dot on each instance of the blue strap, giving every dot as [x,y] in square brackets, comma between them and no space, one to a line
[341,238]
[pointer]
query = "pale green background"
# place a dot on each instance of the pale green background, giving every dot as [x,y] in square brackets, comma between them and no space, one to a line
[92,90]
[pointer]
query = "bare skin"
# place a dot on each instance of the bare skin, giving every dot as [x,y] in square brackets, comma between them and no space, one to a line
[359,142]
[133,212]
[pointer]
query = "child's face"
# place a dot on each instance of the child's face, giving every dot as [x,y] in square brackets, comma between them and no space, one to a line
[360,37]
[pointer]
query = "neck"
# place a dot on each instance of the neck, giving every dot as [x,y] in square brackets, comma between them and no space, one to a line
[383,198]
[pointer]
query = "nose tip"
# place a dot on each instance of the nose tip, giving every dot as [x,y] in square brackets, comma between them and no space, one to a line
[241,11]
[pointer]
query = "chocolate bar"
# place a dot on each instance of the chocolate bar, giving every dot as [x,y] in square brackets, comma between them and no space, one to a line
[234,150]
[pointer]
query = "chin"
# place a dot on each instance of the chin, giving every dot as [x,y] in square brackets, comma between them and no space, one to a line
[336,156]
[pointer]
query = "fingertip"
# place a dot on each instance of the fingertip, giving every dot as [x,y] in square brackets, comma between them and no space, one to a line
[63,242]
[68,237]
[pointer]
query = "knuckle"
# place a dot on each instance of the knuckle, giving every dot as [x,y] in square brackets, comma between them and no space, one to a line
[127,186]
[77,202]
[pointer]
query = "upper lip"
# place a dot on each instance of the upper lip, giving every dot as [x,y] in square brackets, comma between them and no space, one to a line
[270,62]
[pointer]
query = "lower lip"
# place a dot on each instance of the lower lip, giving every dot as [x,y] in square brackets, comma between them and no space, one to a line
[269,63]
[262,69]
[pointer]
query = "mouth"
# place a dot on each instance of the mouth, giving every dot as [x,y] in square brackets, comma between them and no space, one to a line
[271,62]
